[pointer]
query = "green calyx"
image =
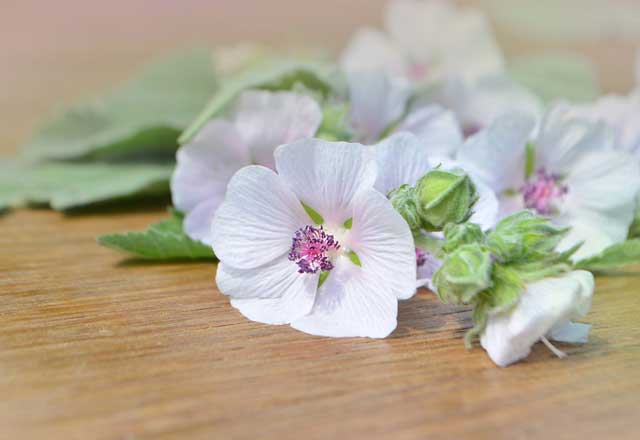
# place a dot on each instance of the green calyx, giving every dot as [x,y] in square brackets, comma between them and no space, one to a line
[490,271]
[439,198]
[444,197]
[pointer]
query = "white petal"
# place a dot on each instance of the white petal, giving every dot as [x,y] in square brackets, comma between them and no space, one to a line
[197,223]
[349,304]
[327,175]
[571,333]
[601,200]
[273,294]
[469,47]
[437,129]
[370,49]
[401,159]
[496,155]
[206,164]
[485,211]
[266,120]
[478,104]
[508,336]
[377,100]
[426,271]
[563,138]
[384,244]
[257,220]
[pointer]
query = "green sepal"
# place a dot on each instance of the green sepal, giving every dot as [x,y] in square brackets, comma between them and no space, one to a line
[456,235]
[334,126]
[524,236]
[313,214]
[404,202]
[464,274]
[323,277]
[354,258]
[444,197]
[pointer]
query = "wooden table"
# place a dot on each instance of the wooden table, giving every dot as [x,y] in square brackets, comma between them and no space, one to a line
[95,346]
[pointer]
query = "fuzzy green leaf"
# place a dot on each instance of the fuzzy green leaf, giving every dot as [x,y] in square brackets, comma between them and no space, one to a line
[554,76]
[164,240]
[67,185]
[271,75]
[613,257]
[142,118]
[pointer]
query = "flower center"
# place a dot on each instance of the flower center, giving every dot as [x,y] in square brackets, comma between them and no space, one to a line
[421,257]
[418,71]
[312,249]
[542,192]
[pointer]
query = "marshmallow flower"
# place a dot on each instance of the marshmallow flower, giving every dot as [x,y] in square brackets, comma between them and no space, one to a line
[543,310]
[260,122]
[403,159]
[426,41]
[570,172]
[315,245]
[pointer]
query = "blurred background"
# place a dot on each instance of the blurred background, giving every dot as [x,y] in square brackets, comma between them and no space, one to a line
[53,53]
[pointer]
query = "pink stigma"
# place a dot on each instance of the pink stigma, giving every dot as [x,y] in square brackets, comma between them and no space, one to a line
[421,257]
[542,190]
[418,71]
[310,249]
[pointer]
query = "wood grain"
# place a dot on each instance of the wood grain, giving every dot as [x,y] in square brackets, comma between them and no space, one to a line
[96,346]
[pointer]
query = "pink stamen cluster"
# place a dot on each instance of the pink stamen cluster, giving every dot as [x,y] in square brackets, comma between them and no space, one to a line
[311,248]
[421,257]
[418,71]
[542,190]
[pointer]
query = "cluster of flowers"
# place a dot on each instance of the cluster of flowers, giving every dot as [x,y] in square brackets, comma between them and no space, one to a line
[439,171]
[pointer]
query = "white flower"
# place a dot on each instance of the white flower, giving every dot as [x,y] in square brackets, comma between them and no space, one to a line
[273,253]
[260,122]
[572,174]
[543,310]
[478,103]
[426,41]
[403,159]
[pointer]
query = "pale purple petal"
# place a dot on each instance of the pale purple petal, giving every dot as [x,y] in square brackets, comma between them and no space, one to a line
[437,128]
[402,159]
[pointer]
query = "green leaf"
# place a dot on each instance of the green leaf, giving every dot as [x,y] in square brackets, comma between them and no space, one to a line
[554,76]
[164,240]
[270,75]
[64,185]
[613,257]
[141,119]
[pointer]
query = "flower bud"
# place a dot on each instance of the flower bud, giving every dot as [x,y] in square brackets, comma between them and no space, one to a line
[464,274]
[403,201]
[444,197]
[525,236]
[456,235]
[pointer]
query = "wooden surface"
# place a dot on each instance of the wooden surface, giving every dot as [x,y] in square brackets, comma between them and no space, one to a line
[95,346]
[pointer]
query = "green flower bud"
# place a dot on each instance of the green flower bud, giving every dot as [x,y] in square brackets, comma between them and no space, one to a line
[456,235]
[444,197]
[403,201]
[525,236]
[465,273]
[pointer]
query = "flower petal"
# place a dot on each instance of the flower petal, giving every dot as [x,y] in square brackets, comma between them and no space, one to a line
[509,335]
[370,49]
[274,293]
[600,202]
[327,175]
[197,222]
[496,155]
[426,271]
[377,100]
[349,304]
[485,211]
[571,333]
[401,159]
[255,223]
[266,120]
[563,138]
[206,164]
[437,129]
[384,244]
